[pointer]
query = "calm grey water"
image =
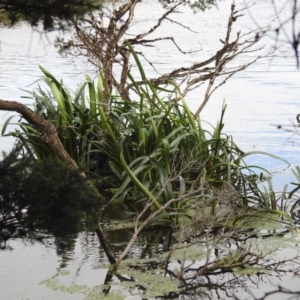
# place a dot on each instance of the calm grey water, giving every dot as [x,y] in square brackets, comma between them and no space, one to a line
[258,99]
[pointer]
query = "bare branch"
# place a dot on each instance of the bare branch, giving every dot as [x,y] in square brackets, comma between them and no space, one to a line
[105,48]
[48,131]
[158,24]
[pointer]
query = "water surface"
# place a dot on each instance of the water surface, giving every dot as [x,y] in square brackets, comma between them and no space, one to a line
[258,99]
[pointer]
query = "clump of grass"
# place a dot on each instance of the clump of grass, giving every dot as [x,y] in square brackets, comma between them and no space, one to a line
[153,148]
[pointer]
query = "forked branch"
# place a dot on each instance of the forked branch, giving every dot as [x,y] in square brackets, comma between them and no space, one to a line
[105,47]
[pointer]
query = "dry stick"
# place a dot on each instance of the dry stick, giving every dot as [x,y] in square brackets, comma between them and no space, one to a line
[206,72]
[207,94]
[105,244]
[50,138]
[224,56]
[219,57]
[158,24]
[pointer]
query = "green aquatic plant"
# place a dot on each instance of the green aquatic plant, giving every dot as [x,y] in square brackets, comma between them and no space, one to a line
[152,148]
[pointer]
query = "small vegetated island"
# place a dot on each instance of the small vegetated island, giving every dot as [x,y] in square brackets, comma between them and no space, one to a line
[129,147]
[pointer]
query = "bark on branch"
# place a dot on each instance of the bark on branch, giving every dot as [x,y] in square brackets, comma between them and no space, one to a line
[50,133]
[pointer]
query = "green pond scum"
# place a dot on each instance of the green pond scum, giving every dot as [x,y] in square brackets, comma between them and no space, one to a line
[151,277]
